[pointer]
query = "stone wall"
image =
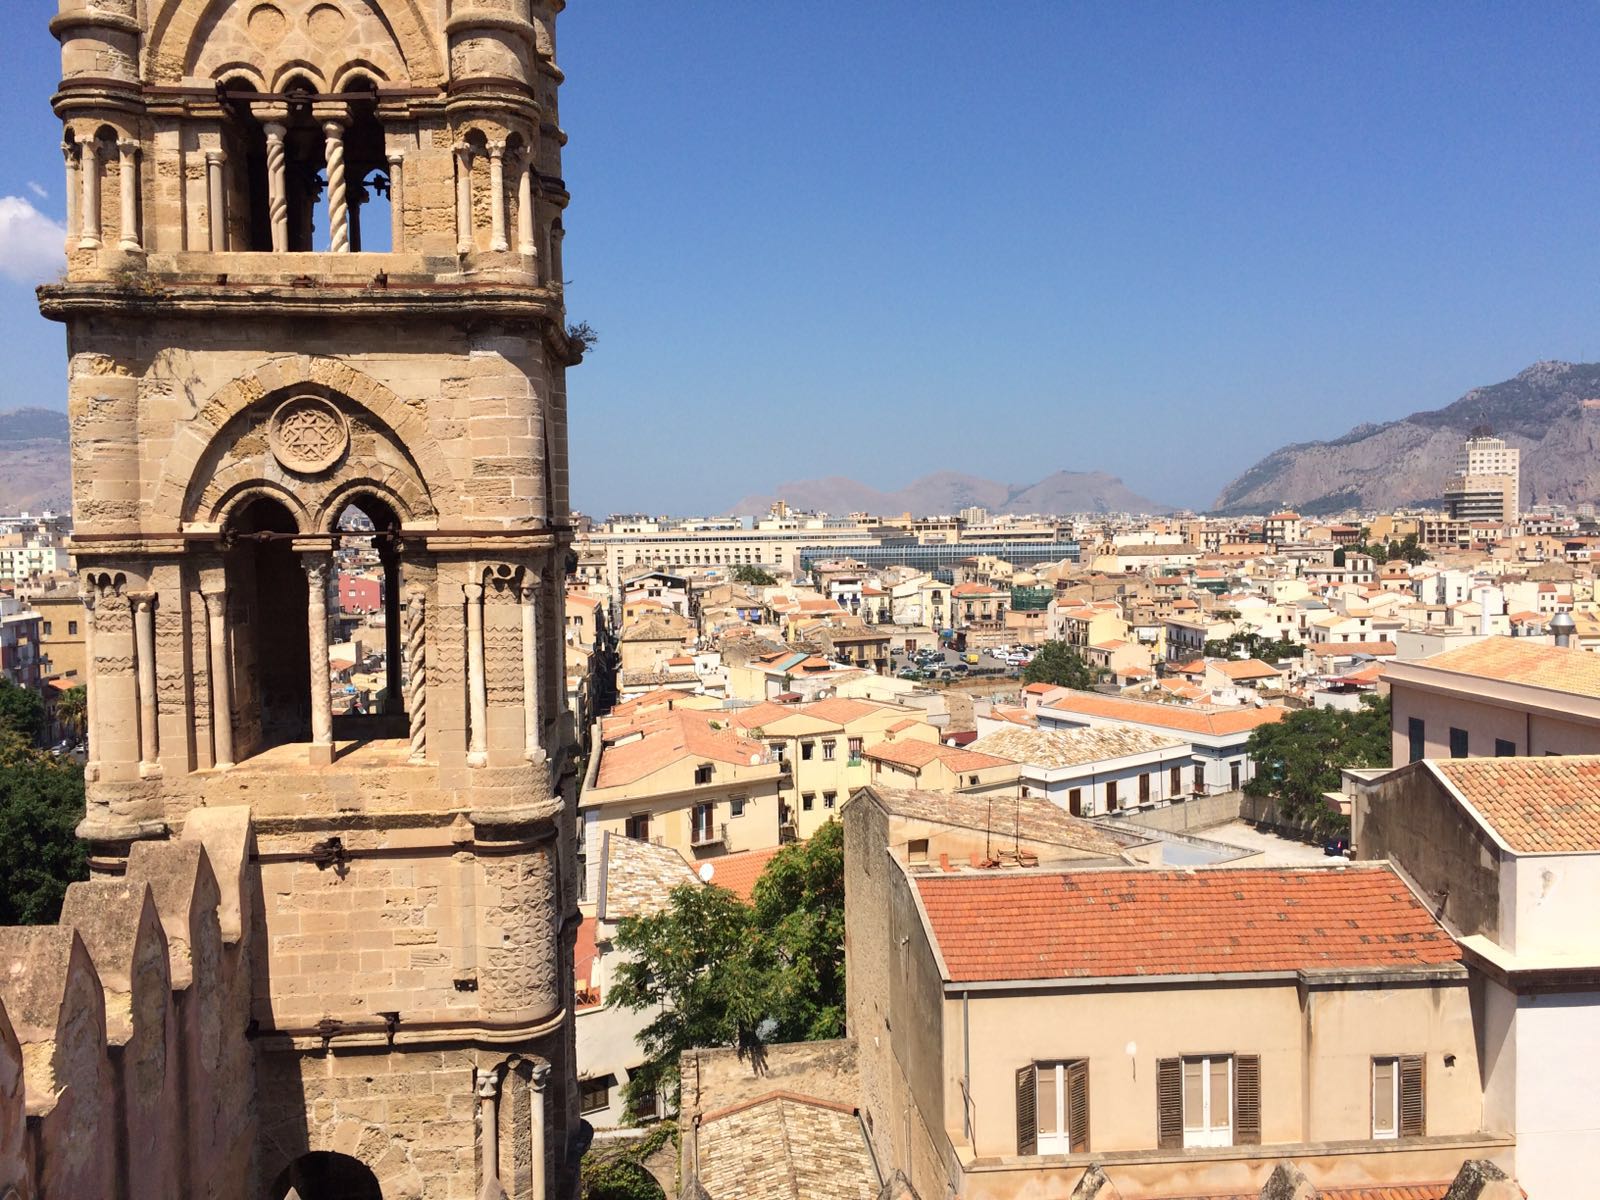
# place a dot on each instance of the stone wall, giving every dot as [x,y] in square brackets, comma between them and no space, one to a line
[124,1066]
[1202,812]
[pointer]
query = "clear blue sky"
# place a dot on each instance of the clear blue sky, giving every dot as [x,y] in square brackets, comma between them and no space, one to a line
[880,240]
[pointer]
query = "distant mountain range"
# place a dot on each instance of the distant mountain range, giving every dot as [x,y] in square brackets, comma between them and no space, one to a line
[35,472]
[1551,411]
[951,491]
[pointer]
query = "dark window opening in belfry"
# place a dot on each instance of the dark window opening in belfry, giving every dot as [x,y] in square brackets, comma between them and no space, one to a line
[271,643]
[367,676]
[324,1175]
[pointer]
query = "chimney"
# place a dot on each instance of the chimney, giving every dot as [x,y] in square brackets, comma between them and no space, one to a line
[1562,625]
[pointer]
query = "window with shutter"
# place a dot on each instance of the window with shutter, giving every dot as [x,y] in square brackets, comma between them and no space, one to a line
[1385,1097]
[1078,1107]
[1061,1106]
[1247,1100]
[1413,1096]
[1027,1113]
[1169,1104]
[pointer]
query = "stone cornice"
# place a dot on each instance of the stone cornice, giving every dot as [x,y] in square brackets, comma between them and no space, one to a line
[452,301]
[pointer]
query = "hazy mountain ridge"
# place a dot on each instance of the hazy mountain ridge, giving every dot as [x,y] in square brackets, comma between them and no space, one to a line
[1551,411]
[35,471]
[951,491]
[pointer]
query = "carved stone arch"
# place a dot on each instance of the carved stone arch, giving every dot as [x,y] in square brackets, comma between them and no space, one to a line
[358,69]
[241,492]
[241,72]
[172,46]
[393,488]
[285,375]
[296,69]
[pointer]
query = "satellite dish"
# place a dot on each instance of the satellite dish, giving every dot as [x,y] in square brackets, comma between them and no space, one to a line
[755,761]
[706,872]
[1132,1048]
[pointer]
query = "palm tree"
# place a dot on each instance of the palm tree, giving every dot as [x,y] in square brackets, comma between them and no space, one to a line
[72,709]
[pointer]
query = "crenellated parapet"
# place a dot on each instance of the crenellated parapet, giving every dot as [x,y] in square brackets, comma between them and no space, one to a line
[122,1045]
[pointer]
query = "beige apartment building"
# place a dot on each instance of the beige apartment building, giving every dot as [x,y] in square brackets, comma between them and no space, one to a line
[681,778]
[1184,1031]
[62,623]
[821,748]
[1498,697]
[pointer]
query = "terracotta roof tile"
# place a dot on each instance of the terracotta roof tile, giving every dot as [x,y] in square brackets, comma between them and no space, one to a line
[1093,924]
[1184,718]
[920,754]
[739,872]
[1547,805]
[1517,660]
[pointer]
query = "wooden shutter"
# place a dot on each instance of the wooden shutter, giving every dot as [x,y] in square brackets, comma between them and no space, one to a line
[1413,1096]
[1169,1103]
[1077,1074]
[1027,1111]
[1247,1100]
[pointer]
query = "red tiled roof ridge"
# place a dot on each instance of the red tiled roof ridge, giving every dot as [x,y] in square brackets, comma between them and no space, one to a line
[778,1094]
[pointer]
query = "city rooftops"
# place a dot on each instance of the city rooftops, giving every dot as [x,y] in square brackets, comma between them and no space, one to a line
[1189,719]
[1054,748]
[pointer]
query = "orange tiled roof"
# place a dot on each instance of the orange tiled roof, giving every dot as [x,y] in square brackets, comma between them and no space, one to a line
[1547,805]
[1516,660]
[1093,924]
[920,754]
[739,872]
[1400,1191]
[1212,721]
[669,736]
[1338,649]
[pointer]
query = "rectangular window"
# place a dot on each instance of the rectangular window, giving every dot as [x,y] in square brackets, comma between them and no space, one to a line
[1458,743]
[1233,776]
[1053,1108]
[47,629]
[1075,802]
[1386,1097]
[1111,795]
[777,750]
[1417,735]
[638,827]
[595,1094]
[830,799]
[736,806]
[1208,1100]
[702,773]
[855,751]
[1176,782]
[72,628]
[1144,788]
[827,750]
[806,749]
[1199,779]
[1504,749]
[808,801]
[703,824]
[917,850]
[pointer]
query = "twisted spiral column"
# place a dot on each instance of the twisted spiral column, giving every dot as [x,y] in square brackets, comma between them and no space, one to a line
[338,195]
[278,186]
[417,675]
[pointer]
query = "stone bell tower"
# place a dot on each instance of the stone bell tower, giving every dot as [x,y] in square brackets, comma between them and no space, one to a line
[315,327]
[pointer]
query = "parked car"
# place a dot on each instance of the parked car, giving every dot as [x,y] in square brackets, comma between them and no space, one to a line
[1338,846]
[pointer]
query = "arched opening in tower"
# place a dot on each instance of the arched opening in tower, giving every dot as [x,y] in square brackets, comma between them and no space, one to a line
[325,1175]
[368,668]
[368,167]
[271,638]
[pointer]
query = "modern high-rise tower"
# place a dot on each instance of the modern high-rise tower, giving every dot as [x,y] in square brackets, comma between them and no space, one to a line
[314,286]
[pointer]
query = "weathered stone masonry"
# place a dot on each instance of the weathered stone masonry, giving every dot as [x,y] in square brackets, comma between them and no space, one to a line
[253,351]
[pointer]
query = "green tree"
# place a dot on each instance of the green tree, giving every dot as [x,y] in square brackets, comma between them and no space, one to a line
[1298,758]
[754,576]
[715,971]
[41,803]
[799,911]
[697,965]
[21,711]
[1060,664]
[72,709]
